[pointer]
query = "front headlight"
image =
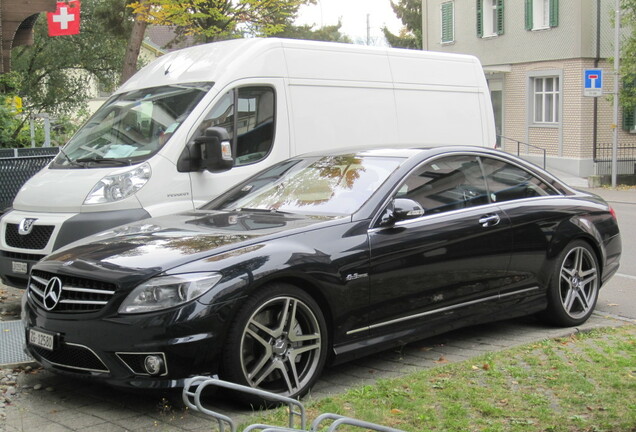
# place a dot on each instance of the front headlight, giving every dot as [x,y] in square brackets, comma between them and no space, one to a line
[119,186]
[168,291]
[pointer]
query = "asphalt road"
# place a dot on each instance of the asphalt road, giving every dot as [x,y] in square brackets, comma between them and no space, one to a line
[618,297]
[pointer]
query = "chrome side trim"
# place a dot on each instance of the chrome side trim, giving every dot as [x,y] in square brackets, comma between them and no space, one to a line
[440,310]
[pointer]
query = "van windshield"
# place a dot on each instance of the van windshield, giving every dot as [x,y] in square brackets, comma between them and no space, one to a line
[130,127]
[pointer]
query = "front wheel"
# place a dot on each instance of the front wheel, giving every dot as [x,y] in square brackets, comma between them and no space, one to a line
[574,285]
[277,342]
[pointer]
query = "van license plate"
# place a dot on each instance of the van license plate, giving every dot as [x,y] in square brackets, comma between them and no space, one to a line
[19,267]
[41,339]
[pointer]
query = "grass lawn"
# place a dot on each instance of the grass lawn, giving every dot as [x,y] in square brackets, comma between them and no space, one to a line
[583,383]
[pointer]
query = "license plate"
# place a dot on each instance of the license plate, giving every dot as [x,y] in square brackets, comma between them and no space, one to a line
[19,267]
[41,339]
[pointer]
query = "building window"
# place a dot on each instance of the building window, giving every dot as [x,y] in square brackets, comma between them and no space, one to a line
[541,14]
[490,18]
[448,22]
[546,100]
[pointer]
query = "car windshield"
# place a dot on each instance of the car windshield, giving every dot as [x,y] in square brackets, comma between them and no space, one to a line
[330,185]
[131,126]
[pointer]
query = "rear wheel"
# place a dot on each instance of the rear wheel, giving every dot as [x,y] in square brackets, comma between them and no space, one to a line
[277,342]
[574,285]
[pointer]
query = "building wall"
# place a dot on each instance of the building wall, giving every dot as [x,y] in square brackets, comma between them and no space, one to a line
[565,51]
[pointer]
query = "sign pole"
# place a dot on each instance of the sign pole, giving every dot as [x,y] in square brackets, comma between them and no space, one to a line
[617,34]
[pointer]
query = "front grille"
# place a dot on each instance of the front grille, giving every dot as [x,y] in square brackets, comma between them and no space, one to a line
[72,356]
[21,256]
[36,239]
[76,295]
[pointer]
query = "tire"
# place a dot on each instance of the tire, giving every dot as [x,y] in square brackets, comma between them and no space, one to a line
[574,285]
[277,342]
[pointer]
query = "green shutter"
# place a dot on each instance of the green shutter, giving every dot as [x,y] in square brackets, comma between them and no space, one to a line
[500,17]
[480,18]
[554,13]
[529,12]
[629,122]
[447,22]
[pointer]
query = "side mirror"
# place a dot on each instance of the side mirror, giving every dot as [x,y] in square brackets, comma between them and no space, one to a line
[211,151]
[401,209]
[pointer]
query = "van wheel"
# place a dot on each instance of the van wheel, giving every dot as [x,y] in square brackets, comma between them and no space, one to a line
[574,285]
[277,343]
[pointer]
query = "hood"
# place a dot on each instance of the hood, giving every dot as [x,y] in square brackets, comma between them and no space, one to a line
[149,247]
[64,191]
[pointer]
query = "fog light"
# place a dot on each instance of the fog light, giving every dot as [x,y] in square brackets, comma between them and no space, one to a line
[153,364]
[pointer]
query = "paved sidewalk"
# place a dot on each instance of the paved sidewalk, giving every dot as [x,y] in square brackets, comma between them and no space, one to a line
[48,402]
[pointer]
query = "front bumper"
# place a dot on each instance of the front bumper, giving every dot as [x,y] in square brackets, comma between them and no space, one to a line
[111,350]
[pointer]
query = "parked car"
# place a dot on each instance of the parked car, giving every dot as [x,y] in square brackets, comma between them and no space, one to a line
[320,259]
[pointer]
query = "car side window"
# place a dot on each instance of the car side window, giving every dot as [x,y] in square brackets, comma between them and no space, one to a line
[446,184]
[508,182]
[247,114]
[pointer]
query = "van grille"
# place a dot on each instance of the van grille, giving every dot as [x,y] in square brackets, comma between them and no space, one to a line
[36,239]
[77,294]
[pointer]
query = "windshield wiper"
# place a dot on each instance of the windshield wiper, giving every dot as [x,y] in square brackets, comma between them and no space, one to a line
[100,159]
[259,210]
[71,161]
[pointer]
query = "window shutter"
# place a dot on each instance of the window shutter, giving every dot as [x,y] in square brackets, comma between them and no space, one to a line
[629,122]
[529,12]
[500,17]
[554,13]
[447,22]
[480,18]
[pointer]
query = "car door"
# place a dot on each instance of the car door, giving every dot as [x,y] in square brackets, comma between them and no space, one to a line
[446,265]
[535,210]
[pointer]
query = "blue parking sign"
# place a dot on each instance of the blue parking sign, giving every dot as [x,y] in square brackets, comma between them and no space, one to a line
[593,82]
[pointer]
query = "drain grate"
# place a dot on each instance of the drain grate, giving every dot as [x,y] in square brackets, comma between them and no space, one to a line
[12,341]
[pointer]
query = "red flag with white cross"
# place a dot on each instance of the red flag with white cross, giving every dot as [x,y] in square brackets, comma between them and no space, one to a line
[65,20]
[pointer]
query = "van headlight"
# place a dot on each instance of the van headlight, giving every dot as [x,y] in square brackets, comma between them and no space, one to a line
[168,291]
[119,186]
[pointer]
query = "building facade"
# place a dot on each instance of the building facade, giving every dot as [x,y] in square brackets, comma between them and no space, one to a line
[535,54]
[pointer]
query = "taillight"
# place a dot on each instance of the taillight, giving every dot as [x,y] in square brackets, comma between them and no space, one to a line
[613,213]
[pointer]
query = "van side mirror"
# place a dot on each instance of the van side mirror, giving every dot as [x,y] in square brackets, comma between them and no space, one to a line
[211,151]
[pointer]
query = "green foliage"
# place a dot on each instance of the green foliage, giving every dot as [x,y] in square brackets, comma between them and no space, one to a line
[628,56]
[326,33]
[58,73]
[410,12]
[213,20]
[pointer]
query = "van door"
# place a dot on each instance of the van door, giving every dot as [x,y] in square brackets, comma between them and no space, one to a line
[255,117]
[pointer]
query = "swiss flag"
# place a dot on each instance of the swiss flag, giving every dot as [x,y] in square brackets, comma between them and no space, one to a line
[65,20]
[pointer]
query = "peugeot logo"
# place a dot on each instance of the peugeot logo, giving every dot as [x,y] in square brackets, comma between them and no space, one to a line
[26,225]
[52,293]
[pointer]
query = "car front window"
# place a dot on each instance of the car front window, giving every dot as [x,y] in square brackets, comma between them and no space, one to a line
[131,127]
[330,185]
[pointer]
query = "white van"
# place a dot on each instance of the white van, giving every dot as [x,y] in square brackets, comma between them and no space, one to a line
[196,121]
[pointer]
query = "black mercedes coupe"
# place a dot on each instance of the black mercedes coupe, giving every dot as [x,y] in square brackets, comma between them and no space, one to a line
[320,259]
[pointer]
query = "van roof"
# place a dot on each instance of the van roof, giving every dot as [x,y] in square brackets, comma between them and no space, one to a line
[273,57]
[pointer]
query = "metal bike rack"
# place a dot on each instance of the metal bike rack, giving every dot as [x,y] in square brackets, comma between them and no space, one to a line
[194,387]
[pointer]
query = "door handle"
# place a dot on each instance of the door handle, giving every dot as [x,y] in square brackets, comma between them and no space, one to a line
[489,220]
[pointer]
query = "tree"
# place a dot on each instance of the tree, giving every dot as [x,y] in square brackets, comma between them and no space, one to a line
[628,57]
[326,33]
[57,74]
[214,20]
[410,12]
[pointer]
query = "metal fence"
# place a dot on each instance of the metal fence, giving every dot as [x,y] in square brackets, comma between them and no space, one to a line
[19,165]
[625,155]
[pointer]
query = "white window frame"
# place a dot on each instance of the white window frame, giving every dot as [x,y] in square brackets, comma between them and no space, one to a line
[489,17]
[551,100]
[540,14]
